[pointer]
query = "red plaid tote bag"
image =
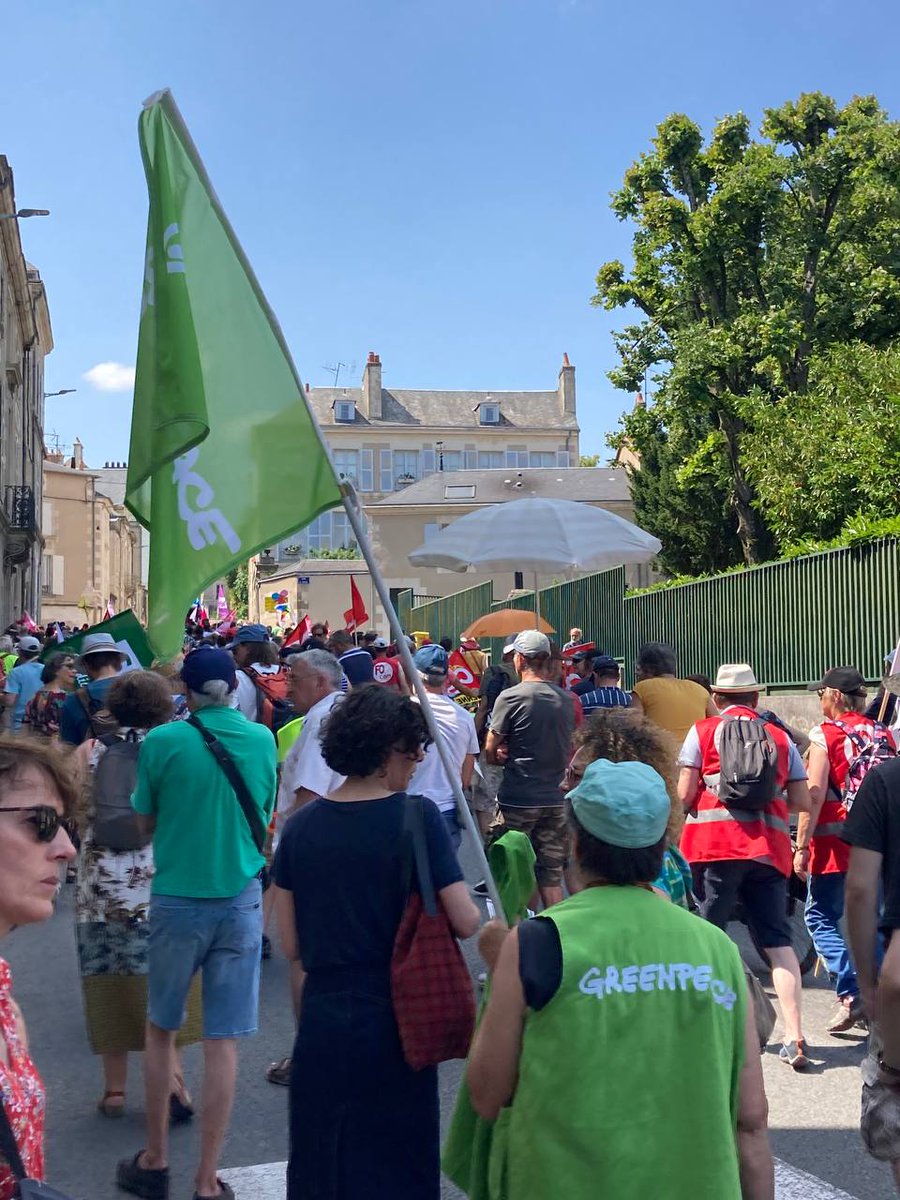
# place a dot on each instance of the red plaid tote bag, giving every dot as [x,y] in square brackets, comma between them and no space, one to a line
[430,985]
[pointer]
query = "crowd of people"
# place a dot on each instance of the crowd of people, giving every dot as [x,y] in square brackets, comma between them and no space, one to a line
[261,783]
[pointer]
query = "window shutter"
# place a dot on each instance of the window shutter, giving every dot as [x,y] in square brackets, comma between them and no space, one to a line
[427,461]
[386,482]
[59,575]
[562,458]
[470,460]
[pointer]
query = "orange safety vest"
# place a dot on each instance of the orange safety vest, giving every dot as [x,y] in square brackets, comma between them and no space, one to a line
[714,833]
[829,855]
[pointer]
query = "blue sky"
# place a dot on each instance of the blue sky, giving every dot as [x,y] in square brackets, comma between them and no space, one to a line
[428,180]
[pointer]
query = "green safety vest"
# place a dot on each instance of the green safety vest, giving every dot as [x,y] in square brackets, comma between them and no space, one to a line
[628,1077]
[287,735]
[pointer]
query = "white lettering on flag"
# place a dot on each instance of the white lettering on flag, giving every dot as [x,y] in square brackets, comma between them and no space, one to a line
[204,526]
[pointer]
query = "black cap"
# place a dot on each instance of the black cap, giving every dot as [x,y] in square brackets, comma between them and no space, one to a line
[843,679]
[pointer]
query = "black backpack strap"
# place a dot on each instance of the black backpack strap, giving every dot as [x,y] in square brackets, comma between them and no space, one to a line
[414,823]
[8,1146]
[233,775]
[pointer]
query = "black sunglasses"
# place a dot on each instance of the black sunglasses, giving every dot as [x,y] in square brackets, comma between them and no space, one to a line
[47,822]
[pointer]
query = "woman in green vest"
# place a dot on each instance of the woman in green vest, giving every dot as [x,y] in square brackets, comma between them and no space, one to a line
[618,1051]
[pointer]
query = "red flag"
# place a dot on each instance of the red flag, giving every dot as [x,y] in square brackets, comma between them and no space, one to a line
[356,614]
[300,634]
[28,623]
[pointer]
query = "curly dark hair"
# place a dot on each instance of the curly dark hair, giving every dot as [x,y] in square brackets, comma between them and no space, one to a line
[622,736]
[615,864]
[363,730]
[140,700]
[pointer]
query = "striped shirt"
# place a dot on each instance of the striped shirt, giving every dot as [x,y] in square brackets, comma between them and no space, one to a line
[605,697]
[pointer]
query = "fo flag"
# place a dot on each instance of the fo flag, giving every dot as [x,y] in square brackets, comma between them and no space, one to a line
[356,614]
[220,419]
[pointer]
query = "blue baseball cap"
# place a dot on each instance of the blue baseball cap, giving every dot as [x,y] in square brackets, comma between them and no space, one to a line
[623,804]
[200,666]
[250,635]
[432,660]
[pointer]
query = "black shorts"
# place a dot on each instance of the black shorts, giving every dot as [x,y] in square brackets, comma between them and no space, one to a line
[762,890]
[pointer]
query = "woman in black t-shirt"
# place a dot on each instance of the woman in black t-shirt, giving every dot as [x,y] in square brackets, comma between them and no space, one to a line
[362,1122]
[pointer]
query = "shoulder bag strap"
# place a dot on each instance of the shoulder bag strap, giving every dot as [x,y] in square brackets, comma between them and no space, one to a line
[420,854]
[8,1147]
[233,775]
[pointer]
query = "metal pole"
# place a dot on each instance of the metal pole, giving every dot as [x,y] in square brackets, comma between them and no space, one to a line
[537,603]
[468,821]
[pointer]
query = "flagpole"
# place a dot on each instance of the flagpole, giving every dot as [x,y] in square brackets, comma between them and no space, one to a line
[452,771]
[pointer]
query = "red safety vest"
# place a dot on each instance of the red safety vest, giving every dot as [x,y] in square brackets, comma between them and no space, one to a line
[828,854]
[714,833]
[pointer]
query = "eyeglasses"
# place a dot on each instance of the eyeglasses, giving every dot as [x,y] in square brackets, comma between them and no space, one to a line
[47,822]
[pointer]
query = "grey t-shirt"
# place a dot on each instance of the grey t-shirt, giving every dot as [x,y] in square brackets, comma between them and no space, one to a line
[537,720]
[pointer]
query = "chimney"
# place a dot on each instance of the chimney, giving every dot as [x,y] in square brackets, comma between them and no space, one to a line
[370,404]
[78,455]
[566,387]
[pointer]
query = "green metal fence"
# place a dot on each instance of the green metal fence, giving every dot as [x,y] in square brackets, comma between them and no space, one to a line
[449,616]
[791,620]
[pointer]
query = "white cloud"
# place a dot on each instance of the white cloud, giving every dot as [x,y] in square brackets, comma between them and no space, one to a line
[111,377]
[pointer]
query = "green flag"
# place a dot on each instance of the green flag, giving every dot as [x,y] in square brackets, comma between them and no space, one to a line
[226,458]
[126,631]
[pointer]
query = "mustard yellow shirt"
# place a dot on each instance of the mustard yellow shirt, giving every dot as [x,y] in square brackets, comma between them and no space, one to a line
[672,704]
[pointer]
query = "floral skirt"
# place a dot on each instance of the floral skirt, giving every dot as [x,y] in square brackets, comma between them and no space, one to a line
[112,908]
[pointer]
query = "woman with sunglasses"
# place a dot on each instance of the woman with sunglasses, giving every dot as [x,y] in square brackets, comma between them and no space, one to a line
[37,797]
[57,682]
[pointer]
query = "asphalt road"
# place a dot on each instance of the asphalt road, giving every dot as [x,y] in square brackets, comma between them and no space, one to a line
[813,1116]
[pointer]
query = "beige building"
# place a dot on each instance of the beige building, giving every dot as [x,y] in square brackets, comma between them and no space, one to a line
[92,546]
[390,441]
[25,340]
[404,520]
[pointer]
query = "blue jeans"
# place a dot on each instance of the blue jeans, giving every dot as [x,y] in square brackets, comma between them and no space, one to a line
[823,912]
[451,820]
[221,938]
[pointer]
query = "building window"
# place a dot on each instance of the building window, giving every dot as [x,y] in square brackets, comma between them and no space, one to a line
[342,535]
[562,458]
[542,458]
[406,466]
[490,460]
[517,458]
[318,534]
[367,471]
[489,414]
[452,460]
[345,411]
[346,464]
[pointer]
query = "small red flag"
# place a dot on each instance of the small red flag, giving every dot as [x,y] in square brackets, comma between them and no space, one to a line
[300,634]
[356,614]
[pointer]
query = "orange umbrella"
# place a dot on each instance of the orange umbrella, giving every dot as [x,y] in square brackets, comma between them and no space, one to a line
[504,621]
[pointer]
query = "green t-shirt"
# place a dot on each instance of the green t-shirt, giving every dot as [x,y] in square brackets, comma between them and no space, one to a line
[202,845]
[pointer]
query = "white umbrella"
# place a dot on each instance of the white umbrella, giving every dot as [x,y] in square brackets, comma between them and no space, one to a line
[552,537]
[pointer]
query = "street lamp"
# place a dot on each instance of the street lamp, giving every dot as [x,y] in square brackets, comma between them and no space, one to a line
[25,212]
[62,392]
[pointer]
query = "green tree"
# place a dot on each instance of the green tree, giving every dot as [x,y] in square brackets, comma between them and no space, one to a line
[238,582]
[834,455]
[589,460]
[749,258]
[688,515]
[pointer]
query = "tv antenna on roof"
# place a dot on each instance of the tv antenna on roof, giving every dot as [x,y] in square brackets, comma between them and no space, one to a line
[337,368]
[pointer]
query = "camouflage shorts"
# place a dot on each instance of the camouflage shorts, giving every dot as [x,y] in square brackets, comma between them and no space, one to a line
[880,1118]
[548,830]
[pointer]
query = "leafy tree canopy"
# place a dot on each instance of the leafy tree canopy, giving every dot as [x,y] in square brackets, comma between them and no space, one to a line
[750,259]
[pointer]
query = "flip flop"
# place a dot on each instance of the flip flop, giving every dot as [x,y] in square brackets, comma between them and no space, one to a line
[225,1194]
[112,1104]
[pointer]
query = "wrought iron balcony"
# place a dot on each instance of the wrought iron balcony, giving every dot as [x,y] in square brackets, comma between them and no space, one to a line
[20,508]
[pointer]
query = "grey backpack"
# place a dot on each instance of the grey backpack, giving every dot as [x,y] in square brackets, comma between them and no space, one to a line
[115,825]
[748,764]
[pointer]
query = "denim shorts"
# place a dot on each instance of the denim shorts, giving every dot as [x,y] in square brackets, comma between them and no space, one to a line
[221,938]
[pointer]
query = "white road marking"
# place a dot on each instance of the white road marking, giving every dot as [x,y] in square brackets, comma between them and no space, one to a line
[267,1182]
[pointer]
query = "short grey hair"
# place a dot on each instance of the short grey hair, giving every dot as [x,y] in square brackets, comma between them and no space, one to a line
[324,664]
[215,694]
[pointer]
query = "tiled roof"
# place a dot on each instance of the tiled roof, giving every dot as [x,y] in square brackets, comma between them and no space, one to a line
[598,485]
[447,410]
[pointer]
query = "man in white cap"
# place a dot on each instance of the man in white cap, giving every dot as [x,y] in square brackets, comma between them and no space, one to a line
[531,733]
[84,714]
[23,681]
[740,778]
